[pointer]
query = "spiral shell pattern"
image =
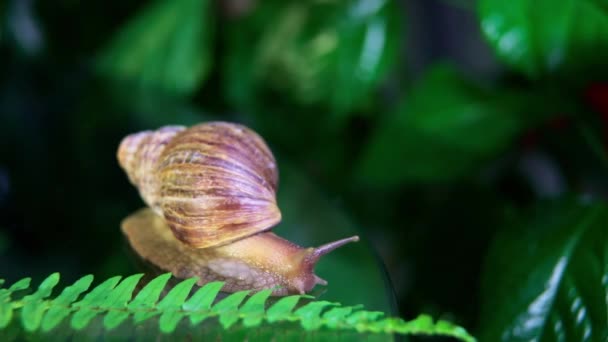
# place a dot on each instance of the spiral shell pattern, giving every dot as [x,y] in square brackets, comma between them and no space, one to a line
[214,183]
[138,155]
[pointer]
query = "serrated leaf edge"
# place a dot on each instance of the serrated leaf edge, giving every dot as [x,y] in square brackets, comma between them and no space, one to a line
[357,319]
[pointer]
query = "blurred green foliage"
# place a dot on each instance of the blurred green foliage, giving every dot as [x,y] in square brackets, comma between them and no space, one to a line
[456,137]
[546,37]
[164,49]
[312,52]
[443,115]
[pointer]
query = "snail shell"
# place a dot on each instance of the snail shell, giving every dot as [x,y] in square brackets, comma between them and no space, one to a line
[213,183]
[211,190]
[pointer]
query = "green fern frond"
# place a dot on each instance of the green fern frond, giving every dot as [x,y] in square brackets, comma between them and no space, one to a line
[113,300]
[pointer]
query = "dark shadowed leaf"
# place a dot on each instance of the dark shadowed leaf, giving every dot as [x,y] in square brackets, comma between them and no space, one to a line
[546,277]
[443,129]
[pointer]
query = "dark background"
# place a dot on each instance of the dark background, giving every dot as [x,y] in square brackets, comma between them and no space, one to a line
[428,151]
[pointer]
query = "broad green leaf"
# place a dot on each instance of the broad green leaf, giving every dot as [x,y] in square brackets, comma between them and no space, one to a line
[312,52]
[60,306]
[117,300]
[165,48]
[539,37]
[545,276]
[443,129]
[86,308]
[34,307]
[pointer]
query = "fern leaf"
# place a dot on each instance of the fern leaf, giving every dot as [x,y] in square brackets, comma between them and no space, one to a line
[228,308]
[22,284]
[117,300]
[6,313]
[59,307]
[253,309]
[200,304]
[310,314]
[34,307]
[6,308]
[147,298]
[113,300]
[281,309]
[86,309]
[172,304]
[335,317]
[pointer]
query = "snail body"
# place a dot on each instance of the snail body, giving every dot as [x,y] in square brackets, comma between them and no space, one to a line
[211,190]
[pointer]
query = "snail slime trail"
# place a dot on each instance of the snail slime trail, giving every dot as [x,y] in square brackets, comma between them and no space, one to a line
[211,193]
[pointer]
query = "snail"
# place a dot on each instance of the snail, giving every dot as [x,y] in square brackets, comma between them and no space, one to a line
[211,193]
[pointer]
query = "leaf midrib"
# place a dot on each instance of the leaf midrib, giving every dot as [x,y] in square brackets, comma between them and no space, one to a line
[572,246]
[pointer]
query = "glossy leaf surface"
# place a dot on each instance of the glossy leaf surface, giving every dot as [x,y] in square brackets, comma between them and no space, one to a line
[546,278]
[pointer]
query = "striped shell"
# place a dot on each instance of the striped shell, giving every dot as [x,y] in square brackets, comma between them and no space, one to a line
[214,183]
